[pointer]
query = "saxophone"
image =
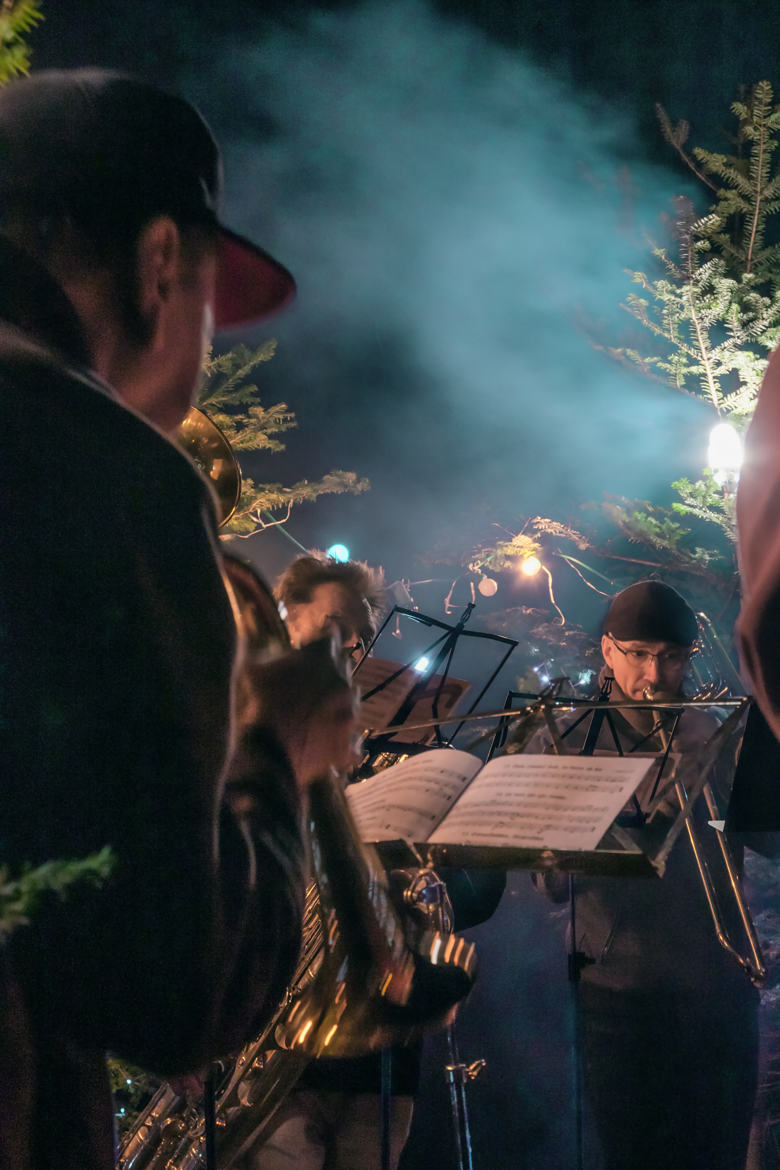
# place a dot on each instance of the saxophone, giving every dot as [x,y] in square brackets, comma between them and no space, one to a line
[169,1134]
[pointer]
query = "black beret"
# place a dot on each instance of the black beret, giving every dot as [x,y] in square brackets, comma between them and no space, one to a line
[650,611]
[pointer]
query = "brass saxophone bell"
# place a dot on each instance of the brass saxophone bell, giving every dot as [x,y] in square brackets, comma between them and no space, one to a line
[213,455]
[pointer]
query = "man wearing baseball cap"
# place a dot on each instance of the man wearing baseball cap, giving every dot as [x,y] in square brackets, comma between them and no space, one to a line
[668,1019]
[118,644]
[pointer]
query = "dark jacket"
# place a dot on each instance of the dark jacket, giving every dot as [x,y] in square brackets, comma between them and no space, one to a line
[117,647]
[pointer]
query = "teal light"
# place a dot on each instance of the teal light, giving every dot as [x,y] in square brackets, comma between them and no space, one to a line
[339,552]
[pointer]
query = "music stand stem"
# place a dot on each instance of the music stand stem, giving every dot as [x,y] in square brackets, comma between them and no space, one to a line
[210,1120]
[458,1076]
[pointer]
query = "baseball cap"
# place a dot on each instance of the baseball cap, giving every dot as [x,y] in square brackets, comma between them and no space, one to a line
[104,146]
[651,611]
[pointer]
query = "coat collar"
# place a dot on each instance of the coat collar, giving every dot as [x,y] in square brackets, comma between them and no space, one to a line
[33,302]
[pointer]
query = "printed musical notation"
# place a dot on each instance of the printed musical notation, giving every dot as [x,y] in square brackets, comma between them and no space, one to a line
[410,799]
[525,801]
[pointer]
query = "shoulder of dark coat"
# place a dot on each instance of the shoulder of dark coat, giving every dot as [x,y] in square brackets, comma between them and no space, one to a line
[45,401]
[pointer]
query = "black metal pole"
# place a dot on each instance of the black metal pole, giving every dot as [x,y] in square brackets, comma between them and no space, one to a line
[210,1120]
[458,1076]
[386,1107]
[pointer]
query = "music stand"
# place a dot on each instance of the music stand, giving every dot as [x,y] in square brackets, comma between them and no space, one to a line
[438,655]
[433,684]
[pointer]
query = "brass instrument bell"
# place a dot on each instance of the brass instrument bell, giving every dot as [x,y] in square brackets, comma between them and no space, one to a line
[208,448]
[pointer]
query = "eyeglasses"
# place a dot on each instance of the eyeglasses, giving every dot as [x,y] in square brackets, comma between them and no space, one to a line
[666,659]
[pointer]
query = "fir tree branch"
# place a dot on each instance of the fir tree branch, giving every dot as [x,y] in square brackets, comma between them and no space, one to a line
[17,19]
[22,896]
[754,227]
[704,355]
[676,136]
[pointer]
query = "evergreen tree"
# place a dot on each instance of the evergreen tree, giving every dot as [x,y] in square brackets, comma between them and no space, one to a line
[713,309]
[17,19]
[716,305]
[715,314]
[230,397]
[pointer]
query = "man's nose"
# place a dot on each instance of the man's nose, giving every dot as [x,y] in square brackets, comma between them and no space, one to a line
[652,670]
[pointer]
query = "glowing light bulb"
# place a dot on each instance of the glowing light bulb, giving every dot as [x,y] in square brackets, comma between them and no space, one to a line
[487,586]
[422,664]
[531,566]
[724,455]
[338,552]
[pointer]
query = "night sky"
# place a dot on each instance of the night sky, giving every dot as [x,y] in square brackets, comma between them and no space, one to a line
[458,188]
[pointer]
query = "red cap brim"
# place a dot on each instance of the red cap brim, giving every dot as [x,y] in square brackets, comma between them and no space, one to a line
[251,285]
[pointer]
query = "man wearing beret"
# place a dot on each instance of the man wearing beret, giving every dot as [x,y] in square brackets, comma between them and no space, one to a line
[668,1019]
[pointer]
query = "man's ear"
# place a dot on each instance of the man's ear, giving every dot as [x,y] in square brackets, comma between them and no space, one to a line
[607,650]
[158,258]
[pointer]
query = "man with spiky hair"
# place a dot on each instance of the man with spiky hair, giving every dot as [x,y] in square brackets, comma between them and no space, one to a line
[322,596]
[118,644]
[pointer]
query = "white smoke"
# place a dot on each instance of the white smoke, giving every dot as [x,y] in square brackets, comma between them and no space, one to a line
[452,212]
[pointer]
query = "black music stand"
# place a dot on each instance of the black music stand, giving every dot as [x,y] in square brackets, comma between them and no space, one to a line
[439,655]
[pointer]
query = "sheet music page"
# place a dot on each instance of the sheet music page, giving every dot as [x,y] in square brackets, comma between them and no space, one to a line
[408,800]
[377,711]
[542,801]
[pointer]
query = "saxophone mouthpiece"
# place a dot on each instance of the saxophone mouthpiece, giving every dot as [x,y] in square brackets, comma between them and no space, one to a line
[648,693]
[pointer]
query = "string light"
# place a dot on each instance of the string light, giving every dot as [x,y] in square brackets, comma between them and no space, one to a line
[530,566]
[724,456]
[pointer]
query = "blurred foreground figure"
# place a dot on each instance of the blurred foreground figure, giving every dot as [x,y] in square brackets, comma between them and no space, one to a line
[668,1019]
[118,643]
[758,527]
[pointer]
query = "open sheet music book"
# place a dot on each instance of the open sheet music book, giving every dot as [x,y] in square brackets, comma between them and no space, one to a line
[446,797]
